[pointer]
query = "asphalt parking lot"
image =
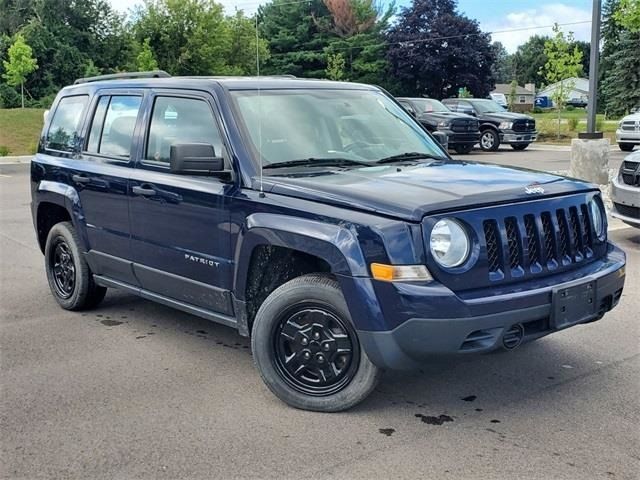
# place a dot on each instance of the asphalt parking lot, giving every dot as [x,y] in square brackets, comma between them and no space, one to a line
[137,390]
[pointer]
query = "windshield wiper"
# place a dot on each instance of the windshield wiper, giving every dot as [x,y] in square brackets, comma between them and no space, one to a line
[408,156]
[317,162]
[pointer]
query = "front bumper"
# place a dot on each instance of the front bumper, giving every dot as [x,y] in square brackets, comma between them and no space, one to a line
[518,137]
[626,202]
[627,136]
[462,138]
[480,324]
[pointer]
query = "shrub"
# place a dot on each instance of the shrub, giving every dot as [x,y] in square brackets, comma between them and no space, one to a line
[4,151]
[570,108]
[599,124]
[573,123]
[537,110]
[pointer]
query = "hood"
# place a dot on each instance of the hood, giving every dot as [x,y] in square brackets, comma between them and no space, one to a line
[506,116]
[632,117]
[422,189]
[435,117]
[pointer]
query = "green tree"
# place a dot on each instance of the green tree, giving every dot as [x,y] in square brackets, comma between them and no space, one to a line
[528,61]
[194,37]
[335,66]
[502,66]
[146,61]
[621,86]
[628,15]
[563,62]
[20,65]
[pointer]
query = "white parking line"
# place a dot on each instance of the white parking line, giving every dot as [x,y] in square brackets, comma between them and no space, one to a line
[622,227]
[5,176]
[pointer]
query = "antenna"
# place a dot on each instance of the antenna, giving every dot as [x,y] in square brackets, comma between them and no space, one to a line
[259,106]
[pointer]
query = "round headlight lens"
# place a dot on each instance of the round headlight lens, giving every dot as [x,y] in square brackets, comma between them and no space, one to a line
[449,243]
[597,218]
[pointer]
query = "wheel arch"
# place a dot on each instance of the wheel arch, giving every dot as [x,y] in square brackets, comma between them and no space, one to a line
[56,202]
[291,247]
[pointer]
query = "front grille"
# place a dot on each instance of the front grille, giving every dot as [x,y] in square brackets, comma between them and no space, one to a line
[628,210]
[462,125]
[524,126]
[630,173]
[546,240]
[629,126]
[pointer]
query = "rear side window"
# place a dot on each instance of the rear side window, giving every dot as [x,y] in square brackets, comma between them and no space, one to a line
[113,124]
[63,131]
[180,120]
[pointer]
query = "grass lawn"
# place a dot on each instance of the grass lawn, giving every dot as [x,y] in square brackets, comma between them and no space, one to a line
[20,130]
[547,125]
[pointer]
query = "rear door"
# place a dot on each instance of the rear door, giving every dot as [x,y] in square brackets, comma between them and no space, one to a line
[180,224]
[103,183]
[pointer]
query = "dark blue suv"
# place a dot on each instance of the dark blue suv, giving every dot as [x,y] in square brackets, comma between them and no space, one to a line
[317,217]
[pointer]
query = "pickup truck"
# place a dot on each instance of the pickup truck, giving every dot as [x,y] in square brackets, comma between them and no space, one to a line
[497,126]
[319,218]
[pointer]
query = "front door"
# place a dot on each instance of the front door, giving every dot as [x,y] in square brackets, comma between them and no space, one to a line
[180,224]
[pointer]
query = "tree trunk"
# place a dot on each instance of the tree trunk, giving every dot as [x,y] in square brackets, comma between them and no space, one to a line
[22,92]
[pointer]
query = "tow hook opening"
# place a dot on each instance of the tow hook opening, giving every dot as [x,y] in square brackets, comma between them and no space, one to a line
[512,338]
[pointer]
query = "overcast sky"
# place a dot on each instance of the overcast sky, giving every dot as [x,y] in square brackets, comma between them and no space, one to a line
[493,15]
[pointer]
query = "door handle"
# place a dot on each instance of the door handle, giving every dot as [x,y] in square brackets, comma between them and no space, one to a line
[80,178]
[144,190]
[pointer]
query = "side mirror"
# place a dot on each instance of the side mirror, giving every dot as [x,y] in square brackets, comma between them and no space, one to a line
[469,111]
[194,159]
[442,138]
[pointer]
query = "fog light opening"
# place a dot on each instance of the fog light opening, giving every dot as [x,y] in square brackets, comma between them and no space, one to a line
[512,338]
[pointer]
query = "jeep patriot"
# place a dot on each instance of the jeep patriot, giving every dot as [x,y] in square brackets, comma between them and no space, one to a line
[317,217]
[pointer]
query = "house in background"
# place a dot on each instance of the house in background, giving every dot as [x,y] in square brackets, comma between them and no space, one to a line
[524,99]
[580,89]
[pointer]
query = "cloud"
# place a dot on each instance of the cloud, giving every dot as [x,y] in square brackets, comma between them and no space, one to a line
[538,17]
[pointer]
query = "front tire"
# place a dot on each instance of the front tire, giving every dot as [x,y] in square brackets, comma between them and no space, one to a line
[70,279]
[626,147]
[306,348]
[519,146]
[489,140]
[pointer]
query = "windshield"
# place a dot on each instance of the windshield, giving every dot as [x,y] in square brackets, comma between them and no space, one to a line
[359,127]
[427,105]
[487,106]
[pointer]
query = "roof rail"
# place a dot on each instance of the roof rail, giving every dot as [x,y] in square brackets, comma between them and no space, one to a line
[124,75]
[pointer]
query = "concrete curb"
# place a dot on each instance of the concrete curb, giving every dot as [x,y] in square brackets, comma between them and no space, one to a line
[15,160]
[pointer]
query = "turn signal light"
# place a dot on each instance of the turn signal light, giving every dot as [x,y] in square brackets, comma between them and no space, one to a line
[400,273]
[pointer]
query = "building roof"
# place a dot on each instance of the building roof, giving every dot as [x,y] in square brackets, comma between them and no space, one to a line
[506,89]
[579,84]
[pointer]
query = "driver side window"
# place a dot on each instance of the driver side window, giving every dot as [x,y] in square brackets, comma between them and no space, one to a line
[180,120]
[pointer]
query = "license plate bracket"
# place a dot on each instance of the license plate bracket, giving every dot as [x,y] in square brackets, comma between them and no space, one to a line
[571,305]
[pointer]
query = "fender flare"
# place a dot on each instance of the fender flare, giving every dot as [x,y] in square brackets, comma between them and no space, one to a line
[337,245]
[67,197]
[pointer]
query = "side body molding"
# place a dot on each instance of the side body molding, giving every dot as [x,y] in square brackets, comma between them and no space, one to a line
[337,245]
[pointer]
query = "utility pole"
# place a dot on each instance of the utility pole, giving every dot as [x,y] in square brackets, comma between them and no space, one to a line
[593,70]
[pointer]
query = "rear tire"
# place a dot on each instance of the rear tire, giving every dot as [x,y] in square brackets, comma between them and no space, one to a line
[626,147]
[69,276]
[306,349]
[463,149]
[519,146]
[489,140]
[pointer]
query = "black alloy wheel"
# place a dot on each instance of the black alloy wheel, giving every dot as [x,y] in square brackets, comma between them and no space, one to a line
[63,269]
[315,351]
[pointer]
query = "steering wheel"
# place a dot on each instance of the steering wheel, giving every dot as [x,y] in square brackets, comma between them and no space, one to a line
[358,144]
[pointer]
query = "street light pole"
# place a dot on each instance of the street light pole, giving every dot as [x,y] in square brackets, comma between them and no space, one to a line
[593,69]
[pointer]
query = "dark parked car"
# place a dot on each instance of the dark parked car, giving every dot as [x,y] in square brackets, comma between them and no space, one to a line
[496,125]
[318,218]
[577,102]
[461,130]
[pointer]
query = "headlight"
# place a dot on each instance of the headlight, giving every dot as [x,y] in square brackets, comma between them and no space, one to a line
[449,243]
[597,218]
[505,125]
[444,124]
